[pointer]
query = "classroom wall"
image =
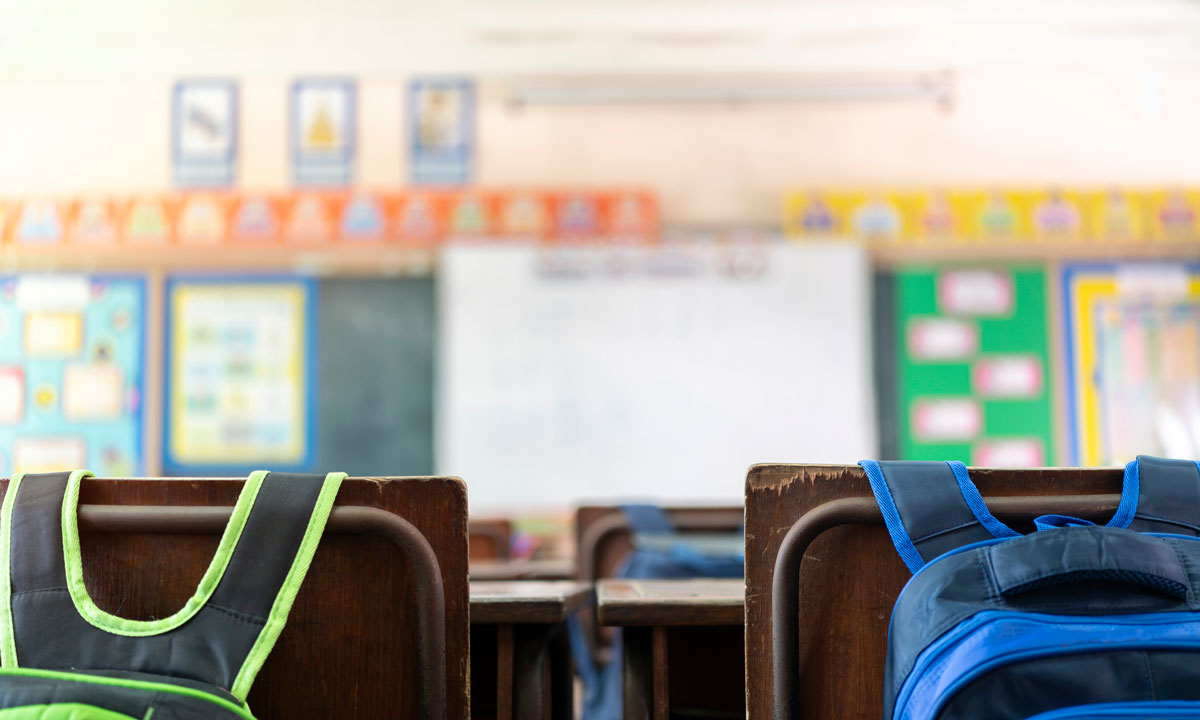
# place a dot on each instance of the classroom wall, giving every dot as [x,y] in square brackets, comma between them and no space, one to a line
[1084,93]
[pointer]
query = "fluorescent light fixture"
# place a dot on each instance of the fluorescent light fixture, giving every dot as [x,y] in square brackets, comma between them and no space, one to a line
[693,90]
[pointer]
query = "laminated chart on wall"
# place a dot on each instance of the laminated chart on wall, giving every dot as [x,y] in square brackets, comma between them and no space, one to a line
[973,371]
[441,129]
[238,373]
[71,373]
[323,131]
[1133,356]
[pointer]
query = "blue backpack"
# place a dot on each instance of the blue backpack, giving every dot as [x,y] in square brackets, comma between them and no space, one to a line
[1073,621]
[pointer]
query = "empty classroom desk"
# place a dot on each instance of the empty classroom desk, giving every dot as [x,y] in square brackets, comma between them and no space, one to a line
[681,634]
[604,539]
[549,569]
[515,628]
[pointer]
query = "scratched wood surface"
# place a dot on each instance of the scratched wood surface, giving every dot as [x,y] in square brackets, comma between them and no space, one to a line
[349,645]
[849,580]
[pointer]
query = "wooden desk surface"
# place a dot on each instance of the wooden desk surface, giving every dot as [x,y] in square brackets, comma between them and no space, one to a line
[501,602]
[559,569]
[671,602]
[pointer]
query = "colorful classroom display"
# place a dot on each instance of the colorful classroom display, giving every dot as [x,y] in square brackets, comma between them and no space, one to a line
[71,373]
[239,370]
[441,130]
[974,372]
[972,375]
[323,133]
[998,216]
[316,219]
[1133,356]
[204,133]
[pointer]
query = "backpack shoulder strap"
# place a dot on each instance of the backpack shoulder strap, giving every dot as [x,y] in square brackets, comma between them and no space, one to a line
[32,511]
[1168,495]
[930,508]
[272,556]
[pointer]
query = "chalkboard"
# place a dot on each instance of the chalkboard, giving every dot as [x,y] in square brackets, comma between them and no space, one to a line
[375,357]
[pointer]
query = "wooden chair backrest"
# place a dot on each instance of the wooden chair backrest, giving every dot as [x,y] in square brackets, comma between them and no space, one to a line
[850,577]
[491,538]
[350,647]
[603,539]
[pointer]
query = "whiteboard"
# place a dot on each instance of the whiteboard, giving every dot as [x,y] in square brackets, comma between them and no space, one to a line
[617,373]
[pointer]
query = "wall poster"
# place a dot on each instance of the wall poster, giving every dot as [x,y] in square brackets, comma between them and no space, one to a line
[1133,354]
[238,373]
[973,365]
[72,351]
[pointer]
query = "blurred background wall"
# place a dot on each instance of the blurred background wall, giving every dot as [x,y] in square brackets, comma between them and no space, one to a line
[1046,92]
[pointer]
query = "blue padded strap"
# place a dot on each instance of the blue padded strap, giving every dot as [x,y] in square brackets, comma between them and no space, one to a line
[930,508]
[650,519]
[1053,522]
[1130,490]
[1167,496]
[976,504]
[891,516]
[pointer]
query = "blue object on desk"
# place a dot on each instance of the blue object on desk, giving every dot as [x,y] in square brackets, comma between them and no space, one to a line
[660,552]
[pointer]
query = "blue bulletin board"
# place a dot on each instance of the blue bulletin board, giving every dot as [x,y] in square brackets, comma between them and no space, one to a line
[239,374]
[72,358]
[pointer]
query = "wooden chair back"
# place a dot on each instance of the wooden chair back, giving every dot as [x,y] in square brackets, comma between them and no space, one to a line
[387,587]
[833,586]
[603,539]
[491,538]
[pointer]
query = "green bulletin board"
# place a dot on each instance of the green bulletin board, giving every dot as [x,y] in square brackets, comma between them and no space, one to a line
[973,377]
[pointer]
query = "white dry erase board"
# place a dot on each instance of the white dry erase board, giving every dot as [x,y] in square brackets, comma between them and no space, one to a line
[613,373]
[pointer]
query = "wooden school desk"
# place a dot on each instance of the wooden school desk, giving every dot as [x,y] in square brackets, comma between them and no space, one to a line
[681,645]
[822,576]
[516,627]
[603,539]
[384,600]
[550,569]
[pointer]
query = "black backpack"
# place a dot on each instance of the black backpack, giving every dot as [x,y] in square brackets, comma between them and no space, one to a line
[63,658]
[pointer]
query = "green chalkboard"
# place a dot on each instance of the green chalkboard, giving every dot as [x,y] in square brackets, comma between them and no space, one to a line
[973,381]
[375,364]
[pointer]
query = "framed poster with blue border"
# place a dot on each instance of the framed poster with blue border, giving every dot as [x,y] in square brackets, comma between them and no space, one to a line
[441,130]
[72,373]
[1133,360]
[323,131]
[204,132]
[239,374]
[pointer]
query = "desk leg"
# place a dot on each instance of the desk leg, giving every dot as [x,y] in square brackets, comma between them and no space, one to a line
[562,680]
[504,672]
[644,673]
[529,663]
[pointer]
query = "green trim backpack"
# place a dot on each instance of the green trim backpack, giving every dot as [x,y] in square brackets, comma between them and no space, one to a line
[63,658]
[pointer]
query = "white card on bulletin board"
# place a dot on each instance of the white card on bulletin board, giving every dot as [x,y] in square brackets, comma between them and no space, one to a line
[605,374]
